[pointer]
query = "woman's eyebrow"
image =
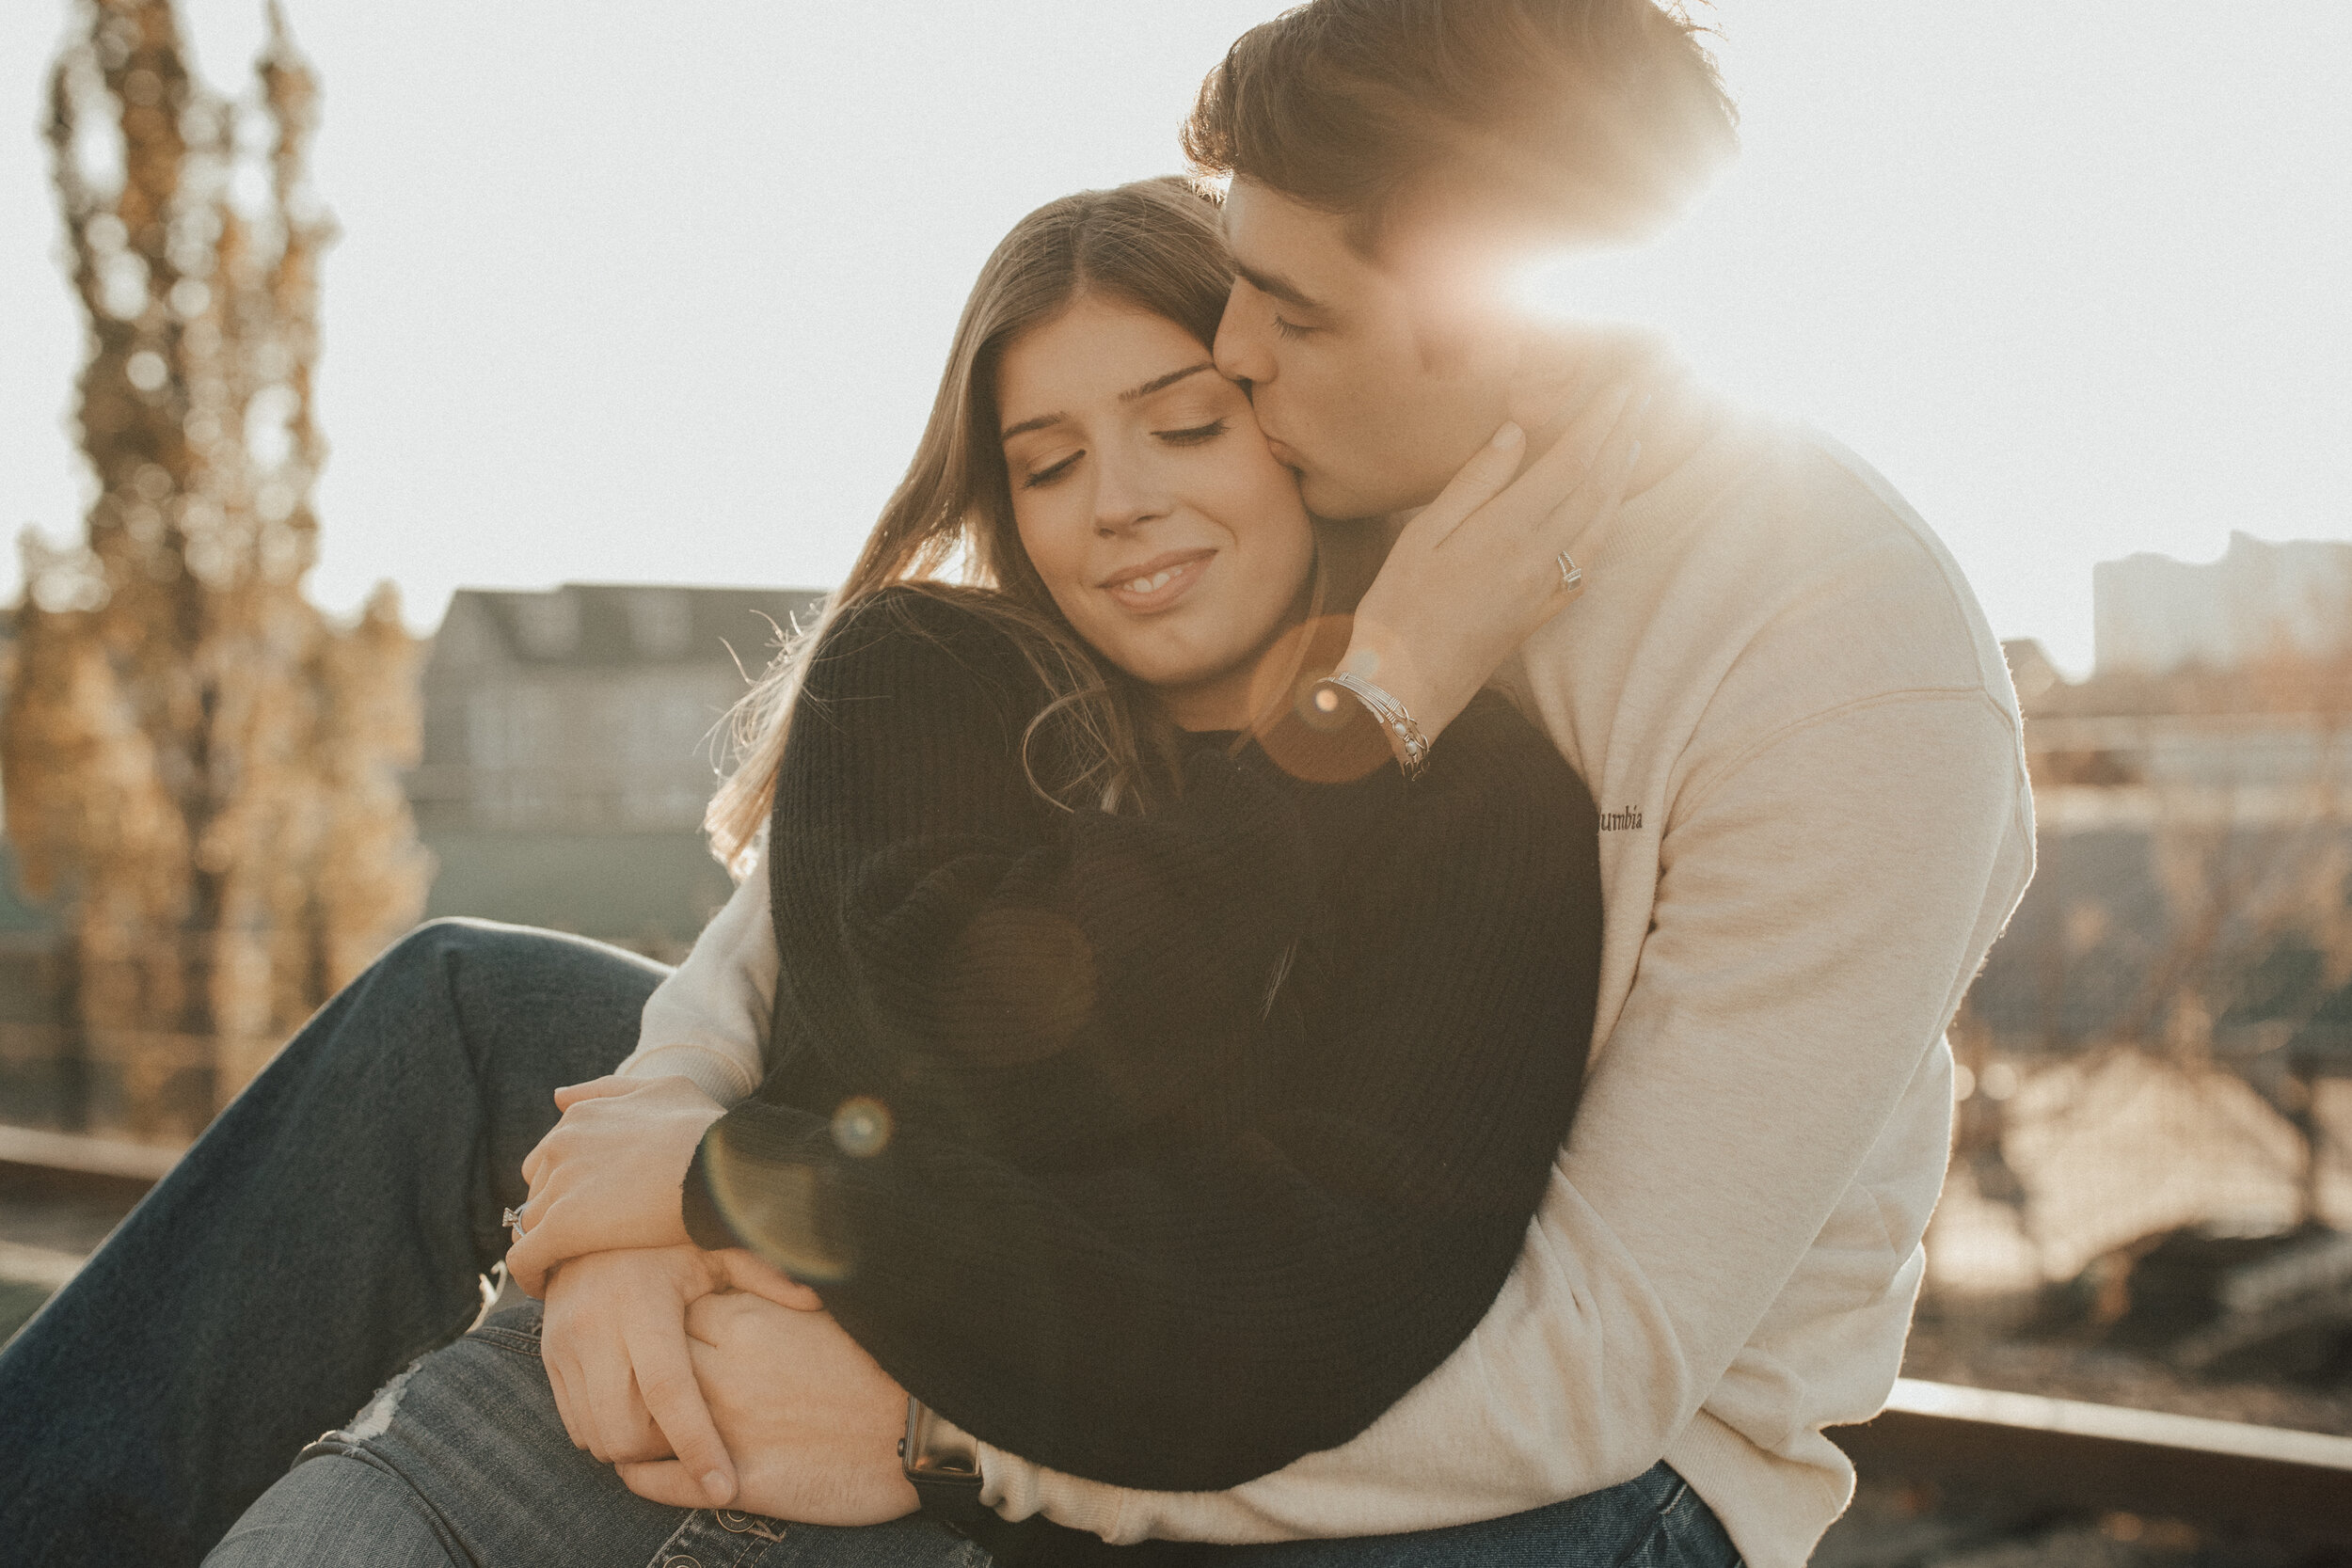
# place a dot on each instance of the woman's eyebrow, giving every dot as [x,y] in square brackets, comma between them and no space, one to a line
[1159,383]
[1027,425]
[1156,384]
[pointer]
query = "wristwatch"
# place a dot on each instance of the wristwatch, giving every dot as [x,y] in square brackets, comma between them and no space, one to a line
[943,1468]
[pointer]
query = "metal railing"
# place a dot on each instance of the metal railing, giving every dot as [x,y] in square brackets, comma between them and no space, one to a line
[2067,1454]
[2022,1448]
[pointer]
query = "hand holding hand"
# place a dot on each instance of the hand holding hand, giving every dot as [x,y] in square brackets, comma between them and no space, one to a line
[607,1177]
[814,1423]
[614,1343]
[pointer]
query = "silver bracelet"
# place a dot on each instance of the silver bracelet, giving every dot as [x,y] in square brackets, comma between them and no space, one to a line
[1404,737]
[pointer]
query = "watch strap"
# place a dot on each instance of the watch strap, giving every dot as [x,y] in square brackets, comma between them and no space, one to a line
[951,1496]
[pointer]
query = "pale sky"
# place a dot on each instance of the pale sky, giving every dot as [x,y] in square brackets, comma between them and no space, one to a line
[659,294]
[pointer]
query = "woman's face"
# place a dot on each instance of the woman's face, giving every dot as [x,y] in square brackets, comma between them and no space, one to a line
[1147,501]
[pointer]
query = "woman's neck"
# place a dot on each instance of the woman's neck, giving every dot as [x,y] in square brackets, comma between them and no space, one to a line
[1217,707]
[1237,698]
[1260,690]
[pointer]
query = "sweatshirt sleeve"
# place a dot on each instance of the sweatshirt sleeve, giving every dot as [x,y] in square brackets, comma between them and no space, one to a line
[1821,907]
[1197,1319]
[971,956]
[707,1021]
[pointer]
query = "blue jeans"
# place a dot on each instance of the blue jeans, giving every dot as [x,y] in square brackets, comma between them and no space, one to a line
[333,1226]
[463,1460]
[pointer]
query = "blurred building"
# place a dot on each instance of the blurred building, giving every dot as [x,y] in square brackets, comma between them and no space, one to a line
[2154,615]
[2194,841]
[2193,810]
[572,738]
[2162,1038]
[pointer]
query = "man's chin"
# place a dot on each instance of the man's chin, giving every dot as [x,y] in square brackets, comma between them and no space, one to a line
[1334,502]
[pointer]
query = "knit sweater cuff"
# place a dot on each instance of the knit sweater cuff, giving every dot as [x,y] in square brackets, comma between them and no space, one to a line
[705,1226]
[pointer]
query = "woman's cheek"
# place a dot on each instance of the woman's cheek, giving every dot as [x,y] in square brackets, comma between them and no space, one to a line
[1047,539]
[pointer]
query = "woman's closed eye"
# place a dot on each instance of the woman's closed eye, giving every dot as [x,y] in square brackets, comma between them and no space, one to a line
[1193,435]
[1190,435]
[1040,478]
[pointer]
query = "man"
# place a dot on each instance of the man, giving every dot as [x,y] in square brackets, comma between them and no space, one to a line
[1814,821]
[1814,815]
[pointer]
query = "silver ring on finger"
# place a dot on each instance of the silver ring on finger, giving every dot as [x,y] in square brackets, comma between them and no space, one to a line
[1571,575]
[512,1220]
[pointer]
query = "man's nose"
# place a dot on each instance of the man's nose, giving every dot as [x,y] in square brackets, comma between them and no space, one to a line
[1240,350]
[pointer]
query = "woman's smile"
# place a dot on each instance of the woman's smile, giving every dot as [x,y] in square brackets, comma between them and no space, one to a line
[1159,582]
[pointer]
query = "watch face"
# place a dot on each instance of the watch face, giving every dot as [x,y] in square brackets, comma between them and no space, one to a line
[934,1449]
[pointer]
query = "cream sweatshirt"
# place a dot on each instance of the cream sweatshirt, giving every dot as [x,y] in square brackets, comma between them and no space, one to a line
[1814,821]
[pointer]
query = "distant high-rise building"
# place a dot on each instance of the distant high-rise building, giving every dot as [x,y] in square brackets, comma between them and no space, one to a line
[2153,616]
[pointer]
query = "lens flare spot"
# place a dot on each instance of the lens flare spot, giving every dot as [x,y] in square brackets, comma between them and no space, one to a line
[772,1205]
[861,1127]
[1308,731]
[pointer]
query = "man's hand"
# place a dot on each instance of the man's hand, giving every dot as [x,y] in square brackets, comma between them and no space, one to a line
[814,1422]
[607,1177]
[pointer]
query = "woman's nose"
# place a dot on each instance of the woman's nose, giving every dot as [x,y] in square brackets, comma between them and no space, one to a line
[1125,492]
[1240,349]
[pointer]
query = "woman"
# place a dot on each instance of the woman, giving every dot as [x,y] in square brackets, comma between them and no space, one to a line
[1034,989]
[1131,1108]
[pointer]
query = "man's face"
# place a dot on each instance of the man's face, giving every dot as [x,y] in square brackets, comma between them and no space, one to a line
[1374,381]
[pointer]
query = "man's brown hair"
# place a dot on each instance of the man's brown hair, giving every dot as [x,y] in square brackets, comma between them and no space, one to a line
[1589,118]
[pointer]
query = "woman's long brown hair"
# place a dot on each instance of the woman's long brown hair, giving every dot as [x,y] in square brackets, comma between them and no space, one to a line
[949,529]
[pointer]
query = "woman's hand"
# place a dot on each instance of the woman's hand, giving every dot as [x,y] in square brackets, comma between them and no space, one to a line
[1474,576]
[607,1177]
[814,1421]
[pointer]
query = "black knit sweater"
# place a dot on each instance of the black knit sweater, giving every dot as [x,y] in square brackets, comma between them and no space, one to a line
[1158,1148]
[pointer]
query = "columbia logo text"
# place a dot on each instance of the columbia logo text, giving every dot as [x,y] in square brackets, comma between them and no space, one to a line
[1621,821]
